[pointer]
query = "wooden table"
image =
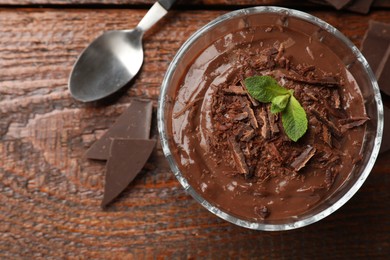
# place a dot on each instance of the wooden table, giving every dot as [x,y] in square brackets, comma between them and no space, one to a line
[50,194]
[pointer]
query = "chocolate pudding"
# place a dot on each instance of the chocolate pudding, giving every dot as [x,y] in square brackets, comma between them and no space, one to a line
[235,153]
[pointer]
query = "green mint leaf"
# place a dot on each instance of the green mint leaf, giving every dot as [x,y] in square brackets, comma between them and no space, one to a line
[279,103]
[294,119]
[264,88]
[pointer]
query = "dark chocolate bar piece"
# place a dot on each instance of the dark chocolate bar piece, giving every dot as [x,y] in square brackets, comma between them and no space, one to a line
[385,146]
[376,49]
[383,73]
[126,159]
[357,6]
[134,123]
[360,6]
[339,4]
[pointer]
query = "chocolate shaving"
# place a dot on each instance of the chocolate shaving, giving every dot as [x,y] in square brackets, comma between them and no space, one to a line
[265,129]
[327,137]
[334,129]
[353,122]
[272,118]
[236,90]
[252,118]
[238,156]
[248,135]
[336,98]
[325,82]
[307,69]
[303,158]
[274,151]
[241,116]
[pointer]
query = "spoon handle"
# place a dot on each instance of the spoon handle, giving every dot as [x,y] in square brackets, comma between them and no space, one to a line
[155,13]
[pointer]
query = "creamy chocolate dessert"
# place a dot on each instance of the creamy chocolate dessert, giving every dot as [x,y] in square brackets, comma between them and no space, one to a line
[235,152]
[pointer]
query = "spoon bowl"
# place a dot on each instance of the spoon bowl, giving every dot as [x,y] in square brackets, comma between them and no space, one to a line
[112,59]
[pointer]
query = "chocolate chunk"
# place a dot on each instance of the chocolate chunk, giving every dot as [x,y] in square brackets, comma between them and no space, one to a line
[376,49]
[133,123]
[126,159]
[303,158]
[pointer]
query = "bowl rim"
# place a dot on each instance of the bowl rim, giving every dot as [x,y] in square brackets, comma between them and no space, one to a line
[164,138]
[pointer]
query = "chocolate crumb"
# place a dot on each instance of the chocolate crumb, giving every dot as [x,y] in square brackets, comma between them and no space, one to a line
[262,212]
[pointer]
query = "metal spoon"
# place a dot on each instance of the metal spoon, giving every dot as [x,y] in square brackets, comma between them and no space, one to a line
[113,58]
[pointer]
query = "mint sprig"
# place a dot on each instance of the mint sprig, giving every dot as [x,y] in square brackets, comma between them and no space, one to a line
[267,90]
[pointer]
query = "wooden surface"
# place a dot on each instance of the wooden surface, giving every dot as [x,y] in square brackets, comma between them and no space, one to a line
[50,194]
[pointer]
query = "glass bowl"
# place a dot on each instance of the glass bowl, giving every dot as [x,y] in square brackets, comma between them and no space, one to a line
[341,46]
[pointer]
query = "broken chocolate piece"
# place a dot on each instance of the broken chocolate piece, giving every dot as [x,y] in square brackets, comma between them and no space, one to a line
[248,135]
[339,4]
[360,6]
[353,122]
[274,152]
[252,118]
[238,156]
[385,146]
[236,90]
[327,137]
[241,116]
[265,129]
[272,118]
[133,123]
[126,159]
[303,158]
[334,129]
[376,49]
[325,82]
[383,73]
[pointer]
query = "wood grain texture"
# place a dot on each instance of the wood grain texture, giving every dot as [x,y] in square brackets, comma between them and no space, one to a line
[50,195]
[201,3]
